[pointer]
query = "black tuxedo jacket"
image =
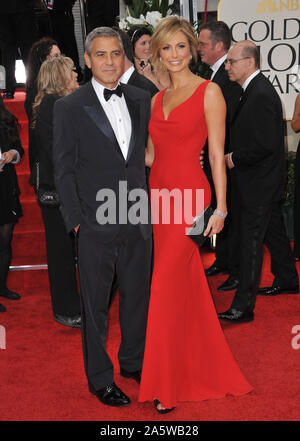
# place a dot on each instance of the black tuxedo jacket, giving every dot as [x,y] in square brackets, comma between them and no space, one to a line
[87,156]
[142,82]
[231,92]
[257,141]
[43,140]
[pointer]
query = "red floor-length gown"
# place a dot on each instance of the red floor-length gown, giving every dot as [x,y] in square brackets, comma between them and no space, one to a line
[186,355]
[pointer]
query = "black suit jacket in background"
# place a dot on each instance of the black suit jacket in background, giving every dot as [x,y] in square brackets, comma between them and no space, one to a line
[231,92]
[16,6]
[257,141]
[142,82]
[87,156]
[43,140]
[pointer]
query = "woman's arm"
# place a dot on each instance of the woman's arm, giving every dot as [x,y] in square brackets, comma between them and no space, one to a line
[215,115]
[296,116]
[149,156]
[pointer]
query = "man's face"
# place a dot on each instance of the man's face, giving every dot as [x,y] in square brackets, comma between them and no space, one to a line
[106,61]
[207,48]
[238,66]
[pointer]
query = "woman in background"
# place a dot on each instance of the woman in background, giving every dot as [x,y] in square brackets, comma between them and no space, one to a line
[43,49]
[140,40]
[296,128]
[10,208]
[56,79]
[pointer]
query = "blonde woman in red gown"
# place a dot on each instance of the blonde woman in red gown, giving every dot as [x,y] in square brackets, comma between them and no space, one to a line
[186,355]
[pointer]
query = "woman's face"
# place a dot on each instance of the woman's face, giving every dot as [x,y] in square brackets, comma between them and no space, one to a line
[55,52]
[142,47]
[175,54]
[73,83]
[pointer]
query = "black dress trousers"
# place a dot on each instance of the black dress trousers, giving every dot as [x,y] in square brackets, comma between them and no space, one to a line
[263,224]
[17,32]
[61,255]
[128,256]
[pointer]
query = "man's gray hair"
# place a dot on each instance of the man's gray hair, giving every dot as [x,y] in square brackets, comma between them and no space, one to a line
[102,31]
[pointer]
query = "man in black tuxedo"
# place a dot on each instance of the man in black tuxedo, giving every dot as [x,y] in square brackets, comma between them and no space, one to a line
[256,163]
[214,43]
[17,31]
[100,134]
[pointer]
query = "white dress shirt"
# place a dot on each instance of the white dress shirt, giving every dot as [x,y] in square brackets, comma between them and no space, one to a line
[249,79]
[126,75]
[217,65]
[118,115]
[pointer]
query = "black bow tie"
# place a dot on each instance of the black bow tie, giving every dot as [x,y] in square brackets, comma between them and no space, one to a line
[107,93]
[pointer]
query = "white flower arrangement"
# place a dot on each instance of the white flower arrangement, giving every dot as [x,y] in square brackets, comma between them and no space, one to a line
[147,12]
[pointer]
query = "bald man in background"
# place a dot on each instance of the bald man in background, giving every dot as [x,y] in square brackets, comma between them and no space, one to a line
[256,163]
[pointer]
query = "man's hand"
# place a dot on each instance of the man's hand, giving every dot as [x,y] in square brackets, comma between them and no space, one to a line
[228,161]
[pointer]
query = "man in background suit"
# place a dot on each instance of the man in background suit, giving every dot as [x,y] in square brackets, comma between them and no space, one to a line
[17,31]
[101,13]
[256,163]
[63,31]
[214,43]
[100,134]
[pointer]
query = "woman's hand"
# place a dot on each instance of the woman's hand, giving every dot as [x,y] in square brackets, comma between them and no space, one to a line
[214,226]
[142,65]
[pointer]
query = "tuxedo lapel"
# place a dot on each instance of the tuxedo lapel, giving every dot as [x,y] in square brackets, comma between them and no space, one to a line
[245,95]
[97,114]
[219,74]
[133,108]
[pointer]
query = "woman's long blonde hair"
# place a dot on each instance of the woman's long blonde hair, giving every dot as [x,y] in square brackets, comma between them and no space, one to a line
[53,79]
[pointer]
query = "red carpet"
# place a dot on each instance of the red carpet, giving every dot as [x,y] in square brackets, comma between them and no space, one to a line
[41,369]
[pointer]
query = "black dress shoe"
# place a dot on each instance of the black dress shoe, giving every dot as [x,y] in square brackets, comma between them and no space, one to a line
[214,269]
[2,308]
[229,284]
[72,322]
[134,375]
[9,294]
[235,316]
[112,395]
[276,289]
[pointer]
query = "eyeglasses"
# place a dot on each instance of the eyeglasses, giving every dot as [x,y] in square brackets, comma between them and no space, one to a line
[231,61]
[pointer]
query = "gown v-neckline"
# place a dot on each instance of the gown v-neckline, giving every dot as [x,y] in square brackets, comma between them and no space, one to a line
[179,105]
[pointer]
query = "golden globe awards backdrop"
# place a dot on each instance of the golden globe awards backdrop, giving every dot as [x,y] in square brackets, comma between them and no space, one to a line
[274,25]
